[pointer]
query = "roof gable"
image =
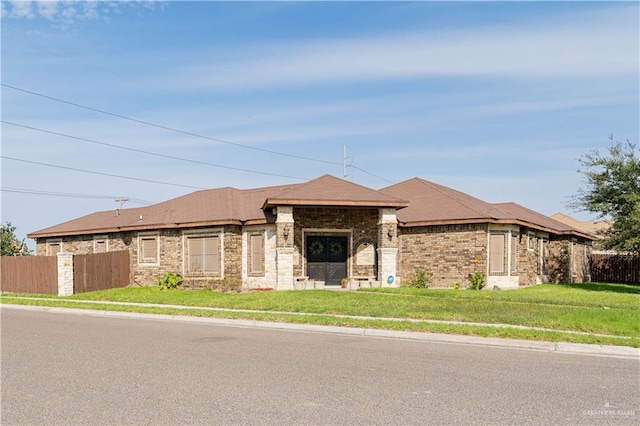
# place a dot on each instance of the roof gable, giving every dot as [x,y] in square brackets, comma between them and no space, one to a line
[328,190]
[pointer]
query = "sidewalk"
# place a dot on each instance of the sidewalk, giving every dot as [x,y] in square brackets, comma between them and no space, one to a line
[560,347]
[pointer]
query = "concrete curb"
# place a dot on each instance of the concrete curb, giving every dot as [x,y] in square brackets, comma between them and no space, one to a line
[560,347]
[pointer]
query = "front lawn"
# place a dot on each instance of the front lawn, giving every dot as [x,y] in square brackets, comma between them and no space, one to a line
[605,309]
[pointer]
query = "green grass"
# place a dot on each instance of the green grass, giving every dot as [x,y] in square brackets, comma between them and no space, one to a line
[608,309]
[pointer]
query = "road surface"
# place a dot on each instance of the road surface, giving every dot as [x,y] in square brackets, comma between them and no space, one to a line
[71,369]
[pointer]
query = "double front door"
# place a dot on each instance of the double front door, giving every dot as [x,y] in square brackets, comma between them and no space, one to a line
[327,258]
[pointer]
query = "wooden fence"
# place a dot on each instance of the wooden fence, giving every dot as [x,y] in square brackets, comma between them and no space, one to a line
[100,271]
[29,274]
[615,268]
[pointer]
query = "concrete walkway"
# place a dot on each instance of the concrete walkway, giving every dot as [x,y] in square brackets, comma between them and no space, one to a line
[574,348]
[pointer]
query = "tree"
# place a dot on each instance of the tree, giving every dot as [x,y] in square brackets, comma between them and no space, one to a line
[10,244]
[612,191]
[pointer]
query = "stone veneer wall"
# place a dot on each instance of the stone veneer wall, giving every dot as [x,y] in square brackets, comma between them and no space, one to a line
[528,259]
[450,252]
[233,253]
[568,260]
[362,223]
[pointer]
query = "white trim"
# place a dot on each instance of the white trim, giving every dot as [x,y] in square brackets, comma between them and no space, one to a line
[531,239]
[509,257]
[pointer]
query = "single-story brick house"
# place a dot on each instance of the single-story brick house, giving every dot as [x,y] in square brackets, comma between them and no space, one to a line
[326,230]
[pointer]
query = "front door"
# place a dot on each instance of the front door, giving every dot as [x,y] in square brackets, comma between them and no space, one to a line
[327,258]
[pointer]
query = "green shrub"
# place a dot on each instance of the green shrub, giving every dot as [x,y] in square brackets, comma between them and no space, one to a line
[422,279]
[455,286]
[477,281]
[170,281]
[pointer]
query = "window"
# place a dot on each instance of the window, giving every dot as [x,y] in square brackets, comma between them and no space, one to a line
[256,253]
[204,254]
[100,244]
[54,247]
[148,249]
[496,253]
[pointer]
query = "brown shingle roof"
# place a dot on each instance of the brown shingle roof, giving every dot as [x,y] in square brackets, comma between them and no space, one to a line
[537,220]
[328,190]
[430,203]
[202,208]
[433,204]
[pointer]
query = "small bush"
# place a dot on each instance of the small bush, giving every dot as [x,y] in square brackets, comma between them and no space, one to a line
[422,279]
[455,286]
[477,281]
[170,281]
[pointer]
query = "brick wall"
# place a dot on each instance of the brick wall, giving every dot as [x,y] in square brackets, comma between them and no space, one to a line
[528,257]
[568,260]
[450,252]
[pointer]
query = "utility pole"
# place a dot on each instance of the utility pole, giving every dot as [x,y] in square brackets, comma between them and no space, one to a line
[120,202]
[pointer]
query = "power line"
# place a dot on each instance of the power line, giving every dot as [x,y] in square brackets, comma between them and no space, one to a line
[100,173]
[71,195]
[122,76]
[371,174]
[149,152]
[184,132]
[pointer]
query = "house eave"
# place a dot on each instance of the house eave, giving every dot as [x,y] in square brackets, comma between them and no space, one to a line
[274,202]
[412,224]
[145,227]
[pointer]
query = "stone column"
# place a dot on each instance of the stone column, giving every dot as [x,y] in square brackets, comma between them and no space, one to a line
[284,248]
[388,243]
[65,274]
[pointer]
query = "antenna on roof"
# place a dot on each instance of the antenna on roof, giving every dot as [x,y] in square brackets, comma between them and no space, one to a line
[346,162]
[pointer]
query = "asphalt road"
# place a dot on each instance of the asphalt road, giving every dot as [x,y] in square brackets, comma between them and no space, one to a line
[70,369]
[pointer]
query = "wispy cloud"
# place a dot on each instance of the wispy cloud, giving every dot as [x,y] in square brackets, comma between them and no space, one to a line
[67,12]
[585,45]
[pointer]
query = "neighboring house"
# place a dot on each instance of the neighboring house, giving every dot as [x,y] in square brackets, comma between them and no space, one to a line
[329,229]
[597,228]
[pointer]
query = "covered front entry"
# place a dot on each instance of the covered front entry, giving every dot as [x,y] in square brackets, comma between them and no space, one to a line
[327,258]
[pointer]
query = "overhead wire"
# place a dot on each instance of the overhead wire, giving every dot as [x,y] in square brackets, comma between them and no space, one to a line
[172,129]
[73,195]
[172,157]
[101,173]
[188,133]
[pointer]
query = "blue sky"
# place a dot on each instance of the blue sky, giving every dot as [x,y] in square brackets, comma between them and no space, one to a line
[498,100]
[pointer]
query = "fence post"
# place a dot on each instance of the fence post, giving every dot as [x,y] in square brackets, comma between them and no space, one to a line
[65,274]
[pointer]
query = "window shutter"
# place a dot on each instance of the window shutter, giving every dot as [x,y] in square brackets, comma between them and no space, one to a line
[257,253]
[149,249]
[54,248]
[514,254]
[101,246]
[496,253]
